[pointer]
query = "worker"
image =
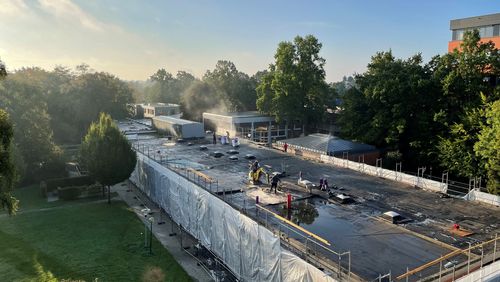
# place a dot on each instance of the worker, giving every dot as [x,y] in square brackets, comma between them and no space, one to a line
[215,139]
[274,182]
[255,166]
[285,147]
[325,185]
[321,184]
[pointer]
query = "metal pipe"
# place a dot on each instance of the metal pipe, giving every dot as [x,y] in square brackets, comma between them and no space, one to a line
[468,259]
[440,269]
[495,248]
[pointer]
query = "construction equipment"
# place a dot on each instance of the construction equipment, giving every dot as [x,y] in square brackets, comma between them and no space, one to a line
[254,176]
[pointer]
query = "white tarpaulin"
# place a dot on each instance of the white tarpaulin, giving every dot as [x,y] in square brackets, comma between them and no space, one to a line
[252,252]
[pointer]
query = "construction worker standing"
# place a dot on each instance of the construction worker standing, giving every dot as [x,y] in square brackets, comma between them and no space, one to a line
[274,182]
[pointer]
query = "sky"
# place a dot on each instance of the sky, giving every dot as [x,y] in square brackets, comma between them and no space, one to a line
[133,38]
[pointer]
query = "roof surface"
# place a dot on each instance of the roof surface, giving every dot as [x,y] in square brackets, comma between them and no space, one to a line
[240,114]
[329,143]
[477,21]
[174,120]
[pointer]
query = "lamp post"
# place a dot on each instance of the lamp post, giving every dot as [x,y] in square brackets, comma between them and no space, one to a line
[151,220]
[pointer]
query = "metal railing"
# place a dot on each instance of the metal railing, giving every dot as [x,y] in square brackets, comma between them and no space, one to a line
[304,244]
[455,264]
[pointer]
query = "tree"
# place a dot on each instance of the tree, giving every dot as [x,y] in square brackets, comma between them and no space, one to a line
[392,106]
[295,86]
[235,88]
[3,70]
[7,170]
[468,85]
[198,98]
[107,154]
[23,96]
[90,94]
[488,146]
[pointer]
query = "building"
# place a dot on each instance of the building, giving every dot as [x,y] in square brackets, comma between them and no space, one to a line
[159,109]
[317,144]
[178,128]
[487,25]
[251,125]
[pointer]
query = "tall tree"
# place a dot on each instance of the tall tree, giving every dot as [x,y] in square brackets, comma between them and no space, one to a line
[3,70]
[392,106]
[235,88]
[200,97]
[107,153]
[468,85]
[33,138]
[488,146]
[92,93]
[7,170]
[295,86]
[162,88]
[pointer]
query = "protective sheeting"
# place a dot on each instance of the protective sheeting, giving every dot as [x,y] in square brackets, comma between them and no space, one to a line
[252,252]
[296,269]
[476,195]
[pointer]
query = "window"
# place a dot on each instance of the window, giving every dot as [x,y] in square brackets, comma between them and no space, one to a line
[486,31]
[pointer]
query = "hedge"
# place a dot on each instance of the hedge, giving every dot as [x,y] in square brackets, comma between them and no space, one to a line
[50,185]
[70,192]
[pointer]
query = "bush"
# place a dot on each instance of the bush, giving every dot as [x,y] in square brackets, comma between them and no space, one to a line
[50,185]
[70,192]
[94,190]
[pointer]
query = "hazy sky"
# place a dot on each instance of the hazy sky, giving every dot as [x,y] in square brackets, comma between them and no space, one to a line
[132,39]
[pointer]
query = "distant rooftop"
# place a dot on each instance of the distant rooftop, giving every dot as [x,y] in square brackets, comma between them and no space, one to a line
[174,120]
[239,114]
[477,21]
[330,144]
[159,105]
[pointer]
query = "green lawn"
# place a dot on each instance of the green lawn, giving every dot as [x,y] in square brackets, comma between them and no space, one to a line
[79,240]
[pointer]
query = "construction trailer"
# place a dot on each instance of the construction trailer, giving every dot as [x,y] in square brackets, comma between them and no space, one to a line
[178,128]
[251,125]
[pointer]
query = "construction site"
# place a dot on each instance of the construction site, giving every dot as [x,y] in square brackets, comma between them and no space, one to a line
[349,221]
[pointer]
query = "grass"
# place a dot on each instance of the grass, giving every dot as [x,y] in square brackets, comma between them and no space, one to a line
[78,240]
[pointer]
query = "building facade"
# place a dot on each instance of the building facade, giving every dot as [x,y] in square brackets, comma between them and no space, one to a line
[160,109]
[487,25]
[178,128]
[252,125]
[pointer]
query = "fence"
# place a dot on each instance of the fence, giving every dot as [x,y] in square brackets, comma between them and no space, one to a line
[251,251]
[456,264]
[470,191]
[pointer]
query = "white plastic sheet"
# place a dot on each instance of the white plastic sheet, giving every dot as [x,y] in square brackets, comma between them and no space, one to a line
[252,252]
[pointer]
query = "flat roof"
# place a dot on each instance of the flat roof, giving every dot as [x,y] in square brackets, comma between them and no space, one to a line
[477,21]
[159,105]
[239,114]
[171,119]
[329,144]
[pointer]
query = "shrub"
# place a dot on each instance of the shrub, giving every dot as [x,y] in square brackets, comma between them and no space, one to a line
[70,192]
[94,190]
[50,185]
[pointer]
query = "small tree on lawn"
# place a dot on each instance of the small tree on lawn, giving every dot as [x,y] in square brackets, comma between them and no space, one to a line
[107,153]
[7,170]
